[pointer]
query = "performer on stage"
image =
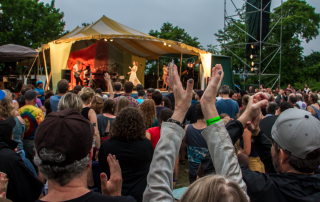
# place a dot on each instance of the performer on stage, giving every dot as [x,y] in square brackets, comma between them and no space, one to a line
[77,73]
[165,74]
[87,75]
[190,71]
[133,77]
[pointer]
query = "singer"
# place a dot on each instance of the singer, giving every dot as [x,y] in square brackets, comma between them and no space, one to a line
[77,73]
[133,77]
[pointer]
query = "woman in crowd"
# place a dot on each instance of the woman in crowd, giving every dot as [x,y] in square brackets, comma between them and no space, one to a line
[132,149]
[106,119]
[7,110]
[97,104]
[72,101]
[166,103]
[148,109]
[314,108]
[122,104]
[10,96]
[86,95]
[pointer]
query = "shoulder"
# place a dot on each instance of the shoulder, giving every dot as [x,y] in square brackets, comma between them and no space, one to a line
[98,197]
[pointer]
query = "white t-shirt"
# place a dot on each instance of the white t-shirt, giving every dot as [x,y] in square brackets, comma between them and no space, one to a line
[302,105]
[306,90]
[75,68]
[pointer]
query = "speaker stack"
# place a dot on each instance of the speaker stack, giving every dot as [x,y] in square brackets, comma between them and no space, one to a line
[66,74]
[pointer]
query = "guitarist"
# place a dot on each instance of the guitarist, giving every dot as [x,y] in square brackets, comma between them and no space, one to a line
[77,73]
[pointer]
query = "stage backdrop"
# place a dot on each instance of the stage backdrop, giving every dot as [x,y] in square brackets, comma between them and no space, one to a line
[103,57]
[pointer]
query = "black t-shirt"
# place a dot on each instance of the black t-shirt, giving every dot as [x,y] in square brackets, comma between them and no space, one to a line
[191,114]
[97,197]
[117,95]
[190,73]
[134,158]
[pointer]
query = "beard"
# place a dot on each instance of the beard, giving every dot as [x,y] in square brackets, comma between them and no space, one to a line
[276,162]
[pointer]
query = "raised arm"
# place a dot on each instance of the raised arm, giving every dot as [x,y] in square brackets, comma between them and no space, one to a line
[160,177]
[108,81]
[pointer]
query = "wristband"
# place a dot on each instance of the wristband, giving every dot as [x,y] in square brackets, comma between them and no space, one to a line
[175,181]
[97,149]
[213,121]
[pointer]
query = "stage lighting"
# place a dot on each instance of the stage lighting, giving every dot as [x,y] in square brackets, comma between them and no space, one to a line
[169,45]
[165,43]
[254,64]
[111,40]
[254,69]
[252,57]
[255,46]
[105,39]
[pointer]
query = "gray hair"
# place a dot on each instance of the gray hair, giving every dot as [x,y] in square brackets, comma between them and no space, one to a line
[60,174]
[299,97]
[225,89]
[72,101]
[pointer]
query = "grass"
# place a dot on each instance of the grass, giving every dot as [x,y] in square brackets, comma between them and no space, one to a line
[183,178]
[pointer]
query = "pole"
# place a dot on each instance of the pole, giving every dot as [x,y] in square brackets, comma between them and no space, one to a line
[260,65]
[280,48]
[48,81]
[224,28]
[158,72]
[31,67]
[46,70]
[181,64]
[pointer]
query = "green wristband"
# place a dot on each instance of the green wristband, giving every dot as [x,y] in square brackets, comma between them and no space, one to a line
[213,121]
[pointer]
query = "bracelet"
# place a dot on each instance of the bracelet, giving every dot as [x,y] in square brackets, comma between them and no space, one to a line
[175,181]
[213,121]
[97,149]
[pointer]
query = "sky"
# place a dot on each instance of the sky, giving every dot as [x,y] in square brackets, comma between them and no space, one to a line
[200,18]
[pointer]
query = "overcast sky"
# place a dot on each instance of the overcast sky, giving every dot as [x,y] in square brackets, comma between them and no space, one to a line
[200,18]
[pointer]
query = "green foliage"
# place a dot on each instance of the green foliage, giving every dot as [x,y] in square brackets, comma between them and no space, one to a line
[213,49]
[30,23]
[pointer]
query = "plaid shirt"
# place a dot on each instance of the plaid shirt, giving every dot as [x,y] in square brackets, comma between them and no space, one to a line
[133,102]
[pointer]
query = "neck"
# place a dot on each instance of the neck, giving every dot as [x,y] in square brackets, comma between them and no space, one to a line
[30,103]
[225,96]
[61,94]
[127,93]
[118,92]
[159,106]
[142,97]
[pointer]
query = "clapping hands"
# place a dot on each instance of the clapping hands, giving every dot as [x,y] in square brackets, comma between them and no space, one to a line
[3,184]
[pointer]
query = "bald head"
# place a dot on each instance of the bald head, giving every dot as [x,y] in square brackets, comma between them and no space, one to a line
[292,99]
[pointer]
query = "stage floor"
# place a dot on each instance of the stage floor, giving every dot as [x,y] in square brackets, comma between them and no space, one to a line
[163,91]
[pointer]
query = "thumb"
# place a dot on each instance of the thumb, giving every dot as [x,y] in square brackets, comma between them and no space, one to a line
[3,195]
[103,178]
[262,103]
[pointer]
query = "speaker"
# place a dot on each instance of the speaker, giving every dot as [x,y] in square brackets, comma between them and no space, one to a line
[160,83]
[150,81]
[66,74]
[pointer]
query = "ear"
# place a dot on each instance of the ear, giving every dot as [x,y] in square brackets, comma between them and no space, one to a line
[283,157]
[90,156]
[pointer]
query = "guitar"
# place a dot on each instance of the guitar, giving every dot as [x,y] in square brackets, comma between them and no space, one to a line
[78,73]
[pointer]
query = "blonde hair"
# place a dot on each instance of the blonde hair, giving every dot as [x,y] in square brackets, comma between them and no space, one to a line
[72,101]
[97,104]
[135,63]
[214,188]
[6,108]
[122,104]
[85,94]
[148,109]
[8,94]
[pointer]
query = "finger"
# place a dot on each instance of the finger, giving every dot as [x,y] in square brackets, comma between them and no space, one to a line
[103,178]
[190,88]
[261,104]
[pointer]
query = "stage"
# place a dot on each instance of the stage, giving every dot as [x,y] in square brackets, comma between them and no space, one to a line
[163,91]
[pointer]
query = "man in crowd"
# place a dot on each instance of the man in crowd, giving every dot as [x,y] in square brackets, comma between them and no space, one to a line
[282,96]
[33,117]
[128,88]
[170,96]
[191,114]
[63,87]
[307,89]
[293,100]
[272,108]
[40,90]
[141,96]
[300,102]
[227,105]
[284,106]
[149,93]
[22,185]
[117,88]
[138,88]
[65,160]
[251,91]
[157,98]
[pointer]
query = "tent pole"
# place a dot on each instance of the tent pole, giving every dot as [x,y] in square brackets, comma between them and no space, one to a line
[31,67]
[45,65]
[48,81]
[158,72]
[181,64]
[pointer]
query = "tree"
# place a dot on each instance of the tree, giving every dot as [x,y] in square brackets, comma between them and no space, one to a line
[30,23]
[213,49]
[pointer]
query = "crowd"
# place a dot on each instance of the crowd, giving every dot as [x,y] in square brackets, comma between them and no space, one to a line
[81,145]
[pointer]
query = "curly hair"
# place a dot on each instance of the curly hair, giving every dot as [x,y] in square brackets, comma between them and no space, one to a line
[148,109]
[6,108]
[97,104]
[128,125]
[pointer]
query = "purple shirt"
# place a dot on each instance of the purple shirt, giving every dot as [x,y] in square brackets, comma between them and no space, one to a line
[39,103]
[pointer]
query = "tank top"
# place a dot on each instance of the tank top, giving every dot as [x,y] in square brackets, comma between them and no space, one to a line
[317,114]
[17,132]
[196,145]
[85,112]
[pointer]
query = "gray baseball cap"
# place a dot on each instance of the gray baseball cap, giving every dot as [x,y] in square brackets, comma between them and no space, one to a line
[30,95]
[296,131]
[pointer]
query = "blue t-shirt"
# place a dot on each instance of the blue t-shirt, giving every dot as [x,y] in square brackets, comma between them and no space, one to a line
[54,101]
[41,92]
[140,100]
[159,109]
[229,107]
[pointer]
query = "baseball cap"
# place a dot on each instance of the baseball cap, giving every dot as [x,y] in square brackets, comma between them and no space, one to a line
[2,95]
[296,131]
[30,95]
[66,131]
[199,92]
[7,125]
[39,82]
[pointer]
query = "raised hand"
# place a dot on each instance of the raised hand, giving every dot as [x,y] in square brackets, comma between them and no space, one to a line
[3,184]
[112,187]
[182,97]
[107,77]
[209,96]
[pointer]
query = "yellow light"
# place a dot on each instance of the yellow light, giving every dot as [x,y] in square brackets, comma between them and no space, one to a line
[105,39]
[169,45]
[252,46]
[165,43]
[252,69]
[111,40]
[251,57]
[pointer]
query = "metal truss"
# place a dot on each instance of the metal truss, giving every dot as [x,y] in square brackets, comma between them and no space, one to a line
[228,19]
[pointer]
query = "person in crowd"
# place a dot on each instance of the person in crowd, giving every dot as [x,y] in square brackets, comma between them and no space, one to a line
[98,91]
[166,103]
[65,160]
[255,163]
[170,96]
[97,104]
[141,96]
[7,110]
[70,101]
[107,118]
[47,106]
[239,102]
[245,100]
[256,90]
[40,90]
[250,91]
[307,89]
[134,151]
[272,109]
[261,87]
[231,93]
[117,87]
[283,106]
[33,116]
[63,87]
[77,89]
[196,144]
[21,101]
[11,96]
[292,99]
[191,114]
[281,97]
[225,116]
[128,87]
[227,105]
[122,104]
[160,175]
[300,101]
[157,98]
[49,94]
[289,88]
[149,93]
[148,110]
[314,108]
[23,185]
[139,87]
[242,92]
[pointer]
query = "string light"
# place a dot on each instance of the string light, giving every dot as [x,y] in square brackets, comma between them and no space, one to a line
[111,40]
[105,39]
[165,43]
[169,45]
